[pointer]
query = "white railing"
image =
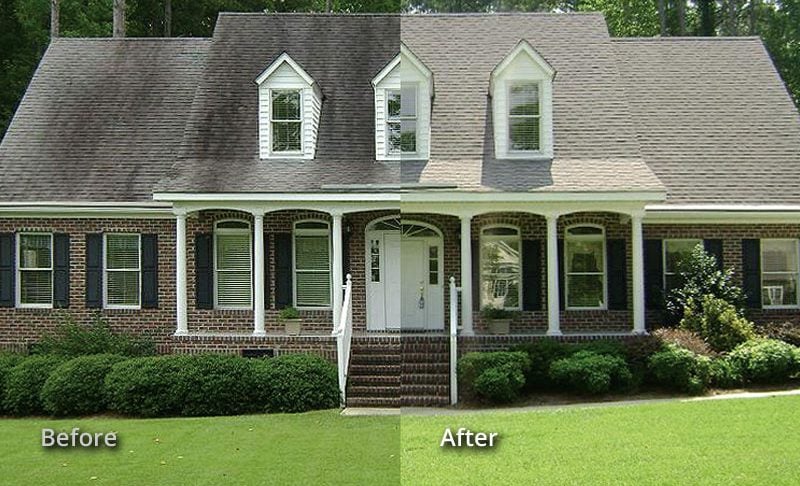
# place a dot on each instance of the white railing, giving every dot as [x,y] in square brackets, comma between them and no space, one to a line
[344,337]
[453,341]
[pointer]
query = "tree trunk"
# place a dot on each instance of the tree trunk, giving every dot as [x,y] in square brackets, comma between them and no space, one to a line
[167,18]
[753,17]
[119,18]
[329,6]
[662,16]
[707,10]
[732,18]
[680,7]
[54,18]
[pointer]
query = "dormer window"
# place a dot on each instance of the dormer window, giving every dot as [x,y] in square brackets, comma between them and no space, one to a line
[522,105]
[403,92]
[290,104]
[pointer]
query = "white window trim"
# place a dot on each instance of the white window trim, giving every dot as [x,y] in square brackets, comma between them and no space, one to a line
[762,272]
[567,237]
[511,83]
[485,237]
[312,232]
[291,153]
[664,272]
[415,155]
[18,283]
[234,231]
[106,305]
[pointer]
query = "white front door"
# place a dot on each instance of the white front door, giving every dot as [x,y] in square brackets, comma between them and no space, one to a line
[413,294]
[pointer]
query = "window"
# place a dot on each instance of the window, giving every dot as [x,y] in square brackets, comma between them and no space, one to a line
[779,273]
[375,260]
[312,264]
[233,282]
[401,120]
[35,270]
[676,251]
[585,261]
[500,267]
[523,117]
[122,264]
[286,120]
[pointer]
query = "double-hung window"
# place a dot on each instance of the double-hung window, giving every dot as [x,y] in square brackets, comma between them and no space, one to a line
[676,251]
[35,270]
[501,267]
[585,252]
[123,271]
[401,120]
[286,120]
[779,273]
[233,264]
[523,117]
[312,264]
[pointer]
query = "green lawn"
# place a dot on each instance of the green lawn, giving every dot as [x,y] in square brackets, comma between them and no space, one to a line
[750,441]
[313,448]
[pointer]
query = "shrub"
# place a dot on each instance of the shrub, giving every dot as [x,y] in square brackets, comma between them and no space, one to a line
[699,276]
[500,384]
[590,372]
[602,346]
[724,374]
[472,365]
[24,384]
[288,313]
[296,383]
[72,339]
[719,323]
[213,384]
[7,361]
[680,369]
[146,387]
[685,339]
[493,313]
[76,387]
[788,332]
[541,354]
[765,360]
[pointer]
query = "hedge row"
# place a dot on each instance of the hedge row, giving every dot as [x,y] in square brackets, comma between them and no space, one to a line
[161,386]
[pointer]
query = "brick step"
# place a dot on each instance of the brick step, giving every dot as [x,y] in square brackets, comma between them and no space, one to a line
[375,359]
[425,401]
[407,368]
[425,358]
[374,380]
[375,349]
[375,370]
[410,390]
[373,402]
[425,378]
[373,391]
[425,347]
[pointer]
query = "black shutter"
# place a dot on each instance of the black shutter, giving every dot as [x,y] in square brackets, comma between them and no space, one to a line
[562,273]
[345,255]
[266,271]
[7,262]
[204,271]
[284,291]
[150,271]
[617,274]
[714,248]
[751,272]
[61,271]
[654,274]
[476,275]
[531,275]
[94,271]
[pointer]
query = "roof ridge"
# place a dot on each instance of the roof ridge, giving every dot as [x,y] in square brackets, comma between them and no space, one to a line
[407,14]
[686,38]
[130,39]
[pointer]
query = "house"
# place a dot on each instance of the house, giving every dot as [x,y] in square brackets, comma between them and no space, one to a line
[193,188]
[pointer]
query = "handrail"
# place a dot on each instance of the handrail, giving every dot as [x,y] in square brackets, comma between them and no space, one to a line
[344,337]
[453,341]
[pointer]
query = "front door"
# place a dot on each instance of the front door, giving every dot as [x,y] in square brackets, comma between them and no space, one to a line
[413,284]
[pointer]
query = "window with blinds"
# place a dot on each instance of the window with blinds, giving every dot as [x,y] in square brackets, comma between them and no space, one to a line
[780,268]
[312,264]
[233,265]
[123,271]
[35,270]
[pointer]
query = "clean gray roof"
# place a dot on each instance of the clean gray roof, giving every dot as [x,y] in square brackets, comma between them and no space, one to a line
[714,120]
[101,120]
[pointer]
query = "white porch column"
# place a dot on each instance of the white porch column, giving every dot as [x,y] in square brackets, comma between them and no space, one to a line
[336,271]
[180,275]
[553,310]
[466,276]
[638,274]
[258,275]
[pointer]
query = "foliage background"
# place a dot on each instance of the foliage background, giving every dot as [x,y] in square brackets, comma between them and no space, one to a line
[25,24]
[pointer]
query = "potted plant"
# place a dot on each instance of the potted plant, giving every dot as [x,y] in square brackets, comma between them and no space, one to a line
[291,320]
[499,319]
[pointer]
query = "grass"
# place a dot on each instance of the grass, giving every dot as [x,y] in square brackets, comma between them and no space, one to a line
[745,441]
[313,448]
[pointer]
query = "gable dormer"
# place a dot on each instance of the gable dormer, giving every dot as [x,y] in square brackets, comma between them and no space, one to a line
[289,107]
[403,92]
[521,88]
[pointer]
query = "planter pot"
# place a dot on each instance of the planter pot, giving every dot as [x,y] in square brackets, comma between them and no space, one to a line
[499,326]
[292,326]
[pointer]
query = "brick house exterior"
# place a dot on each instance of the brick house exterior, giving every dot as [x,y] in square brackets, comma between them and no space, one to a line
[257,169]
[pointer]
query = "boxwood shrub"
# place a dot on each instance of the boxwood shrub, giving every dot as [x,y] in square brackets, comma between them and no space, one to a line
[76,387]
[765,360]
[500,384]
[147,387]
[24,384]
[295,383]
[472,365]
[73,339]
[213,384]
[7,361]
[680,369]
[592,373]
[541,354]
